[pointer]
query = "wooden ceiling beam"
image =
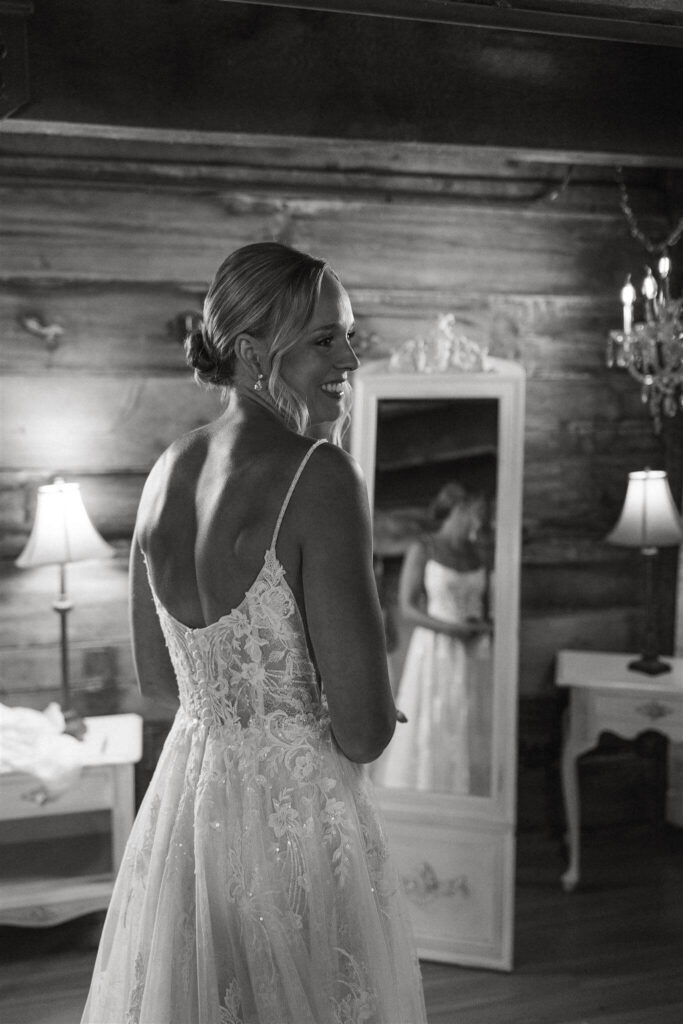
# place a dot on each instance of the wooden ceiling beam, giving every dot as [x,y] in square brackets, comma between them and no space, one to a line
[49,140]
[663,28]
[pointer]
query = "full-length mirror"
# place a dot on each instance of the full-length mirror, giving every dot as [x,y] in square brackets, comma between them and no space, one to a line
[435,490]
[442,455]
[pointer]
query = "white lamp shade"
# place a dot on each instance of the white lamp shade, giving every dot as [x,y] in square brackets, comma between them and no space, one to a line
[62,531]
[649,518]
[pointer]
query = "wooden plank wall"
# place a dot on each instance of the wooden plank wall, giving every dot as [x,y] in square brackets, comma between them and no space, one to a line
[112,235]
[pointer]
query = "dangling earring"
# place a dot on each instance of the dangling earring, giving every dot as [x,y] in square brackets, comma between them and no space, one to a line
[258,386]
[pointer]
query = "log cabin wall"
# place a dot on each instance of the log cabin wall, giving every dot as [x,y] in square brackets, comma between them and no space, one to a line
[113,252]
[111,235]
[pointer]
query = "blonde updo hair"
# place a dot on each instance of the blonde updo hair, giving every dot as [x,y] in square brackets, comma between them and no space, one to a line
[267,290]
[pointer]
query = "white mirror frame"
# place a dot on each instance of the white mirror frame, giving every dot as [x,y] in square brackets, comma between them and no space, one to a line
[456,853]
[678,638]
[674,795]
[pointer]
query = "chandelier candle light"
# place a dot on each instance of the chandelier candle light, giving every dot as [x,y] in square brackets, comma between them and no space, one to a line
[652,350]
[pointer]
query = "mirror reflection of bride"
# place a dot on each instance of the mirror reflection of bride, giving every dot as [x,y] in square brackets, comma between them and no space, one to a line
[443,594]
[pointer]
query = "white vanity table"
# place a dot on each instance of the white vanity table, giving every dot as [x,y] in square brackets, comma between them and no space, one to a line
[112,745]
[606,696]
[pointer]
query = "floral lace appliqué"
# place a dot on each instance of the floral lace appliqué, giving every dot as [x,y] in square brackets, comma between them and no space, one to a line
[251,662]
[135,1001]
[357,1005]
[230,1011]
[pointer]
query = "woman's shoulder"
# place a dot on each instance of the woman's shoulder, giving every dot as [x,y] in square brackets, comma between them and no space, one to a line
[322,467]
[181,453]
[334,462]
[330,496]
[176,470]
[419,546]
[333,475]
[416,555]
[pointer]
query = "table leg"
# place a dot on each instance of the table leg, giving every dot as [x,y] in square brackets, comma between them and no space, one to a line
[572,748]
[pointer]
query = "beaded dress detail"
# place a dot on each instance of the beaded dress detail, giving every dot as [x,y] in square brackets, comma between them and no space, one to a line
[256,886]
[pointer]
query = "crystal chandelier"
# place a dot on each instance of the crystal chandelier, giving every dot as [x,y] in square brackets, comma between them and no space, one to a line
[651,350]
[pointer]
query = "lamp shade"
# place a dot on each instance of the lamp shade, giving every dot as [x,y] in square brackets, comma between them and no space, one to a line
[649,518]
[62,531]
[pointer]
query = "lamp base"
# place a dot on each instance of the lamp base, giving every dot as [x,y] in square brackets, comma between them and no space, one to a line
[650,665]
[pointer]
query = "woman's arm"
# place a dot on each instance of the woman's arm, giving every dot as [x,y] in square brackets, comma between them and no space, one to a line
[411,594]
[156,678]
[332,520]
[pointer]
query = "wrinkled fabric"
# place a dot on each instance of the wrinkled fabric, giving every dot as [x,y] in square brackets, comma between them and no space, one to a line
[256,887]
[34,742]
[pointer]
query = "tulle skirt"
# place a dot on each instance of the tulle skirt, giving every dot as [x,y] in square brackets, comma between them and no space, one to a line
[444,692]
[256,888]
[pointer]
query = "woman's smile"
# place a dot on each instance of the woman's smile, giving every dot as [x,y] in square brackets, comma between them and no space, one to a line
[321,360]
[335,389]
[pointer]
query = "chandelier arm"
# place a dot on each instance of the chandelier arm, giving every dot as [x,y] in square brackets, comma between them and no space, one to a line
[553,192]
[653,248]
[637,375]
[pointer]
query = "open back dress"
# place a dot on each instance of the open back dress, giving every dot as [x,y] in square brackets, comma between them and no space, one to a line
[256,885]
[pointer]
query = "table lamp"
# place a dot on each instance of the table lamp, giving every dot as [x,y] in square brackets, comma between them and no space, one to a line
[63,533]
[649,520]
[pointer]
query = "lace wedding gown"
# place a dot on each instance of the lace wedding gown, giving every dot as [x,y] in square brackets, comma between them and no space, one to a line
[432,750]
[256,886]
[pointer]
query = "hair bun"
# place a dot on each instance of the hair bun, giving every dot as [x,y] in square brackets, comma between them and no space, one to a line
[201,356]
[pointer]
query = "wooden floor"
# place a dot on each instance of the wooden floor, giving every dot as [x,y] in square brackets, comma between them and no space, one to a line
[611,952]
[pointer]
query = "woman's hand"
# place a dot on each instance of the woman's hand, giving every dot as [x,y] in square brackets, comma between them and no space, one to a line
[480,627]
[468,630]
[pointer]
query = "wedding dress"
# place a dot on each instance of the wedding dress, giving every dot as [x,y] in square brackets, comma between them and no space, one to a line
[256,886]
[438,687]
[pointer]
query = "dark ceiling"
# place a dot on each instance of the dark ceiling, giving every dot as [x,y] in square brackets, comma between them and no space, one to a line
[643,21]
[414,72]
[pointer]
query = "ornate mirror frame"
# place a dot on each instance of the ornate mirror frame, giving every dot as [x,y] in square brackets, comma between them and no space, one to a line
[456,852]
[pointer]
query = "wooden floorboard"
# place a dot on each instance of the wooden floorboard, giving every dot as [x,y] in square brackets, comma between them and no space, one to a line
[609,953]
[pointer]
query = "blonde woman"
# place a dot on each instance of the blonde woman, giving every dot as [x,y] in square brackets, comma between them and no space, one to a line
[256,886]
[442,592]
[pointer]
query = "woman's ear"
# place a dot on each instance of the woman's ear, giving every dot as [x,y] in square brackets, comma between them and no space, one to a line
[249,355]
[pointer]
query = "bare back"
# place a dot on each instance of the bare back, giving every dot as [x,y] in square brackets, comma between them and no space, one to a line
[206,519]
[208,512]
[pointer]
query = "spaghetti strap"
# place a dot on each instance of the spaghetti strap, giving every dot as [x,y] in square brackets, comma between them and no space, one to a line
[289,493]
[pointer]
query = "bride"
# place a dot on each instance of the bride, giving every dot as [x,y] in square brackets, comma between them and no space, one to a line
[443,594]
[256,886]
